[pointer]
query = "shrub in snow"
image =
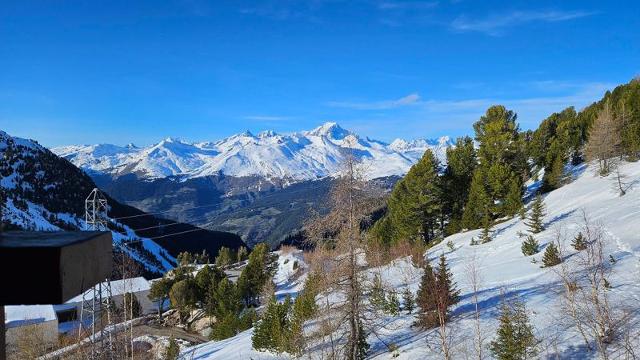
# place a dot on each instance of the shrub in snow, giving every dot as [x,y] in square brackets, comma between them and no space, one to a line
[451,246]
[530,246]
[551,256]
[408,302]
[515,339]
[392,304]
[578,242]
[535,223]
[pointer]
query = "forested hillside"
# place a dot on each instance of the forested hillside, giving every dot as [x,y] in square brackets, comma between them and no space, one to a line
[484,178]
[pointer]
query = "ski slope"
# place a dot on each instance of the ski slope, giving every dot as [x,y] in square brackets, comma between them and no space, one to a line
[505,272]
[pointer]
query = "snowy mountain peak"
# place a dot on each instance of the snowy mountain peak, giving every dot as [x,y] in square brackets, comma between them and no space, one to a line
[298,156]
[444,140]
[331,130]
[267,133]
[170,139]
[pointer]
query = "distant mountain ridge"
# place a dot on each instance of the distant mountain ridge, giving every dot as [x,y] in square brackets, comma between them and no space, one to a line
[299,156]
[41,191]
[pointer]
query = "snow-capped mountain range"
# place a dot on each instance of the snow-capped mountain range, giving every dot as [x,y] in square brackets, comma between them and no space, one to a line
[299,156]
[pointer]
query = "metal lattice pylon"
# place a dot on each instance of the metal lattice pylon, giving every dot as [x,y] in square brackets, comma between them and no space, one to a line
[95,211]
[102,340]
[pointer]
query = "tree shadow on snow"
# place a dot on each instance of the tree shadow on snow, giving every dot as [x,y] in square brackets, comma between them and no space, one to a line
[492,303]
[560,217]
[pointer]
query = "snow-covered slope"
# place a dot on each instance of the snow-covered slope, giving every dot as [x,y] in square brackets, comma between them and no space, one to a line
[299,156]
[504,272]
[43,192]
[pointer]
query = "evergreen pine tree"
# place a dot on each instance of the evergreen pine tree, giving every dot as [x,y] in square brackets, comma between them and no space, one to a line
[408,302]
[260,268]
[225,257]
[207,277]
[579,242]
[445,282]
[173,350]
[502,159]
[515,339]
[159,292]
[376,296]
[133,305]
[392,303]
[184,258]
[552,178]
[426,298]
[513,202]
[461,164]
[183,295]
[478,203]
[536,218]
[485,235]
[551,256]
[273,332]
[530,246]
[414,206]
[363,345]
[242,255]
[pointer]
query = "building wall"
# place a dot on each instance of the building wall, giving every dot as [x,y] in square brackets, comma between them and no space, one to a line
[147,306]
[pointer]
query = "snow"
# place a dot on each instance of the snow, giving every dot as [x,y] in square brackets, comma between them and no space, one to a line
[118,287]
[20,315]
[504,272]
[300,156]
[237,347]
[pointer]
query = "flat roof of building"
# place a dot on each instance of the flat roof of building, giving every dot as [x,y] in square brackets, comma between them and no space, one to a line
[21,315]
[118,287]
[40,239]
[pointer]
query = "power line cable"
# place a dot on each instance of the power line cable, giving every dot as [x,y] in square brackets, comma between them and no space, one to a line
[162,212]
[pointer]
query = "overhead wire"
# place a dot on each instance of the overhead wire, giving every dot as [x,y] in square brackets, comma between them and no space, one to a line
[162,212]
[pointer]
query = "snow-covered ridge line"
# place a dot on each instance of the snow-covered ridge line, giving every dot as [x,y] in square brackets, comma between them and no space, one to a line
[299,156]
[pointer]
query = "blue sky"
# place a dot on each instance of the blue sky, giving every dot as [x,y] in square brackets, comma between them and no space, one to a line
[138,71]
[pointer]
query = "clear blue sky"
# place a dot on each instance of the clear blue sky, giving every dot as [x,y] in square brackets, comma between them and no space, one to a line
[138,71]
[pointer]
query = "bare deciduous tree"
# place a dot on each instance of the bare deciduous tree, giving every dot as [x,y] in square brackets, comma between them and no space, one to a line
[474,278]
[600,321]
[340,235]
[604,140]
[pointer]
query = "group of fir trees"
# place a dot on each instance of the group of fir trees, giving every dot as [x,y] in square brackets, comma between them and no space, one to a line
[436,295]
[558,140]
[428,203]
[415,205]
[485,182]
[388,301]
[475,187]
[227,256]
[280,328]
[210,289]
